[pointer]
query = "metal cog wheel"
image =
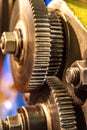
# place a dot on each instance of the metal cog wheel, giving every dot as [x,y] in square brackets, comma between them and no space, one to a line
[57,42]
[42,44]
[66,114]
[35,28]
[56,98]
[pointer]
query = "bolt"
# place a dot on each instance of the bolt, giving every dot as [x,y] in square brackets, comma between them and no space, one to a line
[10,42]
[73,76]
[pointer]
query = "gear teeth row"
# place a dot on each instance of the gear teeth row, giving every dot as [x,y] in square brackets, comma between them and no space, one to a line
[42,44]
[57,42]
[64,104]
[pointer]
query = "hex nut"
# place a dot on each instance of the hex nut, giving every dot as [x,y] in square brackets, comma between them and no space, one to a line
[8,42]
[82,66]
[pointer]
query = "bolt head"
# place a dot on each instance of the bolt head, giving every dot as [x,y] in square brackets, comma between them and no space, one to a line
[8,42]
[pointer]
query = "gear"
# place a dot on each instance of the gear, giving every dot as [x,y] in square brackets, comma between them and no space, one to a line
[54,94]
[57,42]
[42,44]
[35,29]
[61,98]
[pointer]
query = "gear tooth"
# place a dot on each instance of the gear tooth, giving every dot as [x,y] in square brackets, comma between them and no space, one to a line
[64,104]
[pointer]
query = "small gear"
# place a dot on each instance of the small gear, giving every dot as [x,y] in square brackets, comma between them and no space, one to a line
[61,98]
[57,42]
[54,94]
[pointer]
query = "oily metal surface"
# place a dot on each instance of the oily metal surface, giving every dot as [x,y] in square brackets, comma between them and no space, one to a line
[30,74]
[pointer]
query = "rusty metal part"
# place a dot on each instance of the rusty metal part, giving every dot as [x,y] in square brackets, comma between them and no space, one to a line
[30,74]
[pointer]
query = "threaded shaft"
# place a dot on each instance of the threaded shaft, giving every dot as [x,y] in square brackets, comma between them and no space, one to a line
[73,75]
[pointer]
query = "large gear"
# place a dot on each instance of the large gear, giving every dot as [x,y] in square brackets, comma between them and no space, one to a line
[42,44]
[65,108]
[31,73]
